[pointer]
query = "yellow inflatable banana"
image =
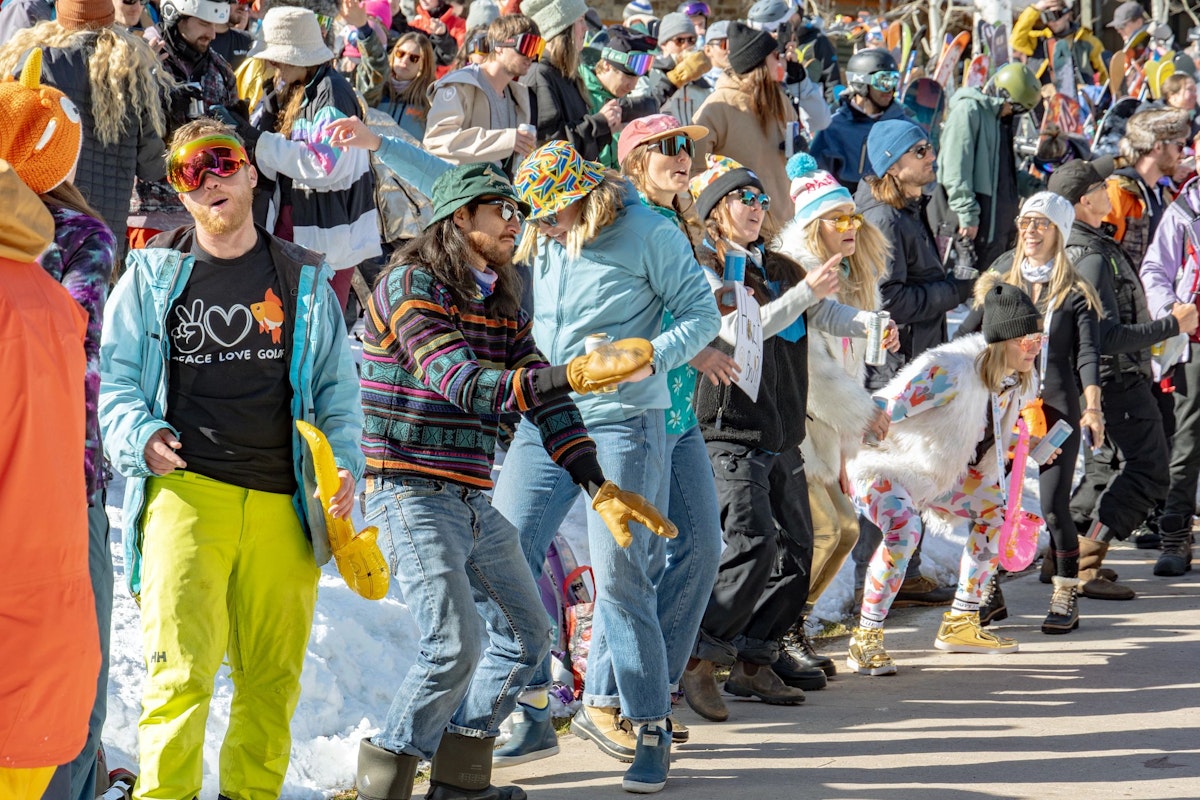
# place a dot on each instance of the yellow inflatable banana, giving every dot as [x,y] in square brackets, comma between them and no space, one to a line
[358,557]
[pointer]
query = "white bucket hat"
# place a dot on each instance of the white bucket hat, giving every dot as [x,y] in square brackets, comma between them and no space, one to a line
[292,36]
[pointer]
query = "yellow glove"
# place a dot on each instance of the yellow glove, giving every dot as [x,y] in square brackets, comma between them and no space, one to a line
[358,557]
[609,365]
[617,508]
[690,67]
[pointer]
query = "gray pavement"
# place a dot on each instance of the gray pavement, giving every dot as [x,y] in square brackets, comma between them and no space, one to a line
[1109,711]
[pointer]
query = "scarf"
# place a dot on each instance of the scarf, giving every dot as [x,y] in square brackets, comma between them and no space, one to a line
[1037,273]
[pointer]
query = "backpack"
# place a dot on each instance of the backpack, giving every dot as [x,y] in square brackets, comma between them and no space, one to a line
[570,603]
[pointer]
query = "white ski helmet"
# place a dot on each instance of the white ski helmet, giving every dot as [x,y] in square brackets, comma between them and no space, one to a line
[216,11]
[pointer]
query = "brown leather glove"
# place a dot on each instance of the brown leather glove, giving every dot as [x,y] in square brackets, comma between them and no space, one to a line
[690,67]
[609,364]
[617,508]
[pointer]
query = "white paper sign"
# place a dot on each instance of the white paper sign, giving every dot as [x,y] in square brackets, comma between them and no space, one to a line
[748,349]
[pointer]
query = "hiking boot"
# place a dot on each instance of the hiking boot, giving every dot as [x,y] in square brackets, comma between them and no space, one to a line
[961,633]
[1176,558]
[922,592]
[759,680]
[384,775]
[793,673]
[799,646]
[867,656]
[701,692]
[993,608]
[533,737]
[1064,607]
[1145,537]
[648,773]
[1092,583]
[461,769]
[611,732]
[680,733]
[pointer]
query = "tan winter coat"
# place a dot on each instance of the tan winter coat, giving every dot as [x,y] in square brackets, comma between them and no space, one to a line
[459,127]
[734,133]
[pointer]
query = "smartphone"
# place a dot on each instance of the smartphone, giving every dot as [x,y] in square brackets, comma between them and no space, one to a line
[1051,442]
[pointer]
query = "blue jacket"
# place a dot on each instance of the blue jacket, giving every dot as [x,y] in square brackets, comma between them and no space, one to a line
[133,375]
[842,147]
[641,265]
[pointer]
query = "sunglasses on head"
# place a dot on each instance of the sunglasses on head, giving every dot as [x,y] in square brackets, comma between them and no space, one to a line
[921,150]
[636,63]
[508,209]
[697,10]
[749,197]
[219,154]
[674,145]
[884,81]
[529,45]
[845,222]
[1038,224]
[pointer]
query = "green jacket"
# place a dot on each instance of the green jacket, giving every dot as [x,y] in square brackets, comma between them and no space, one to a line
[597,97]
[967,163]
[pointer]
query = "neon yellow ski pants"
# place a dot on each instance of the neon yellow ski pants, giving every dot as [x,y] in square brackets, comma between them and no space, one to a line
[226,572]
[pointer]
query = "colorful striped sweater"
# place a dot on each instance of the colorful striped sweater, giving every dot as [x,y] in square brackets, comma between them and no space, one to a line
[436,378]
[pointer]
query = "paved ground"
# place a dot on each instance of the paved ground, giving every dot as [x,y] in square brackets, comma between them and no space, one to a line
[1110,711]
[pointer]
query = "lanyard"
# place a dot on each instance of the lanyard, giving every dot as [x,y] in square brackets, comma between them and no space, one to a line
[1045,352]
[999,447]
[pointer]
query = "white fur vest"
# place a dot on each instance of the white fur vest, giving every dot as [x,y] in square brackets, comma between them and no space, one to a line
[928,453]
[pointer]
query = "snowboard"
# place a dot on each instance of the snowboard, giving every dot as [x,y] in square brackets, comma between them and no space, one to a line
[976,73]
[925,101]
[1063,112]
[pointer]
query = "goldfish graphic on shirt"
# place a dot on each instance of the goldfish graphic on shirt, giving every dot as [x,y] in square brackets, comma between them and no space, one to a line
[269,315]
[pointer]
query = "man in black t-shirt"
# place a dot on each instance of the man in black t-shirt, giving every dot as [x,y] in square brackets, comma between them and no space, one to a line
[219,337]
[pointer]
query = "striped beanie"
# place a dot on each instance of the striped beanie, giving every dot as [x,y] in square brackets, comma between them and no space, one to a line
[814,191]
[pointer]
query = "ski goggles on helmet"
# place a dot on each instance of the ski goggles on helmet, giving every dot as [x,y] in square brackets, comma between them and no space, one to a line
[220,154]
[529,45]
[696,10]
[636,63]
[674,145]
[884,81]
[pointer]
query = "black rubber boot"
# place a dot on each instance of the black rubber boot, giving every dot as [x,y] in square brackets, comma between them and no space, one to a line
[462,770]
[1176,558]
[799,646]
[384,775]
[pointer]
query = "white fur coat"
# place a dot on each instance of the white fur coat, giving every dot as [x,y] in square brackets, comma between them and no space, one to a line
[928,451]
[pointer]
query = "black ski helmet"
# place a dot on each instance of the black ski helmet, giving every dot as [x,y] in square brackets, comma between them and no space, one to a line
[863,64]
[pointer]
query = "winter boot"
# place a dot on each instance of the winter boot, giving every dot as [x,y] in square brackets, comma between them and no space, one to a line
[701,692]
[799,646]
[992,608]
[384,775]
[1093,584]
[1146,536]
[759,680]
[867,656]
[648,773]
[120,785]
[607,729]
[533,737]
[961,633]
[1064,607]
[793,673]
[1176,557]
[462,770]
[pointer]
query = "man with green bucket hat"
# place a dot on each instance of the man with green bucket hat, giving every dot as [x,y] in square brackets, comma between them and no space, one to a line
[448,350]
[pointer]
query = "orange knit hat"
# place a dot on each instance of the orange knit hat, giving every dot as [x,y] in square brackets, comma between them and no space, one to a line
[40,134]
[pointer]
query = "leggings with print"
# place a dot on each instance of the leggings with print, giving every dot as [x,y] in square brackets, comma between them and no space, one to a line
[889,506]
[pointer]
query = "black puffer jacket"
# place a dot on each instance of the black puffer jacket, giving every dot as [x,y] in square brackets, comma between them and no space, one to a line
[563,112]
[106,173]
[1126,329]
[916,289]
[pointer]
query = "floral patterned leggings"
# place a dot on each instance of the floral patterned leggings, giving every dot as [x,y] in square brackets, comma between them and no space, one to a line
[890,507]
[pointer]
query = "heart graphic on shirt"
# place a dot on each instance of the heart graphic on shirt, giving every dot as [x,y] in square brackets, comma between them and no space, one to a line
[223,325]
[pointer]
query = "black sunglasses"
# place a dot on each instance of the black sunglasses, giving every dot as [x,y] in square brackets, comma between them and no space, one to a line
[921,150]
[674,145]
[508,209]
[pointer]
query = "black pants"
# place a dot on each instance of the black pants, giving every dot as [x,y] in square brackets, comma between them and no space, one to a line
[1185,446]
[762,581]
[1054,482]
[1129,475]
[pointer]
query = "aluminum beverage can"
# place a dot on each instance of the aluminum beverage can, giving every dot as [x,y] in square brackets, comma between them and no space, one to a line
[591,343]
[876,353]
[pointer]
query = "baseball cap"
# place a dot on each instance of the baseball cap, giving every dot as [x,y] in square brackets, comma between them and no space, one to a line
[1076,178]
[1126,13]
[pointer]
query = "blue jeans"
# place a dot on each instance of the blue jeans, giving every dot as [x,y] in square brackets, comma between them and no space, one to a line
[535,494]
[462,574]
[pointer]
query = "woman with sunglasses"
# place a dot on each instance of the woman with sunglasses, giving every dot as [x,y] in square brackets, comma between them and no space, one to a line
[402,88]
[1068,361]
[973,388]
[840,410]
[753,445]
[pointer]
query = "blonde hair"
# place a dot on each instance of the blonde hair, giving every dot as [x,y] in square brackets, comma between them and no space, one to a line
[597,210]
[993,368]
[867,265]
[1063,278]
[887,190]
[126,79]
[767,97]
